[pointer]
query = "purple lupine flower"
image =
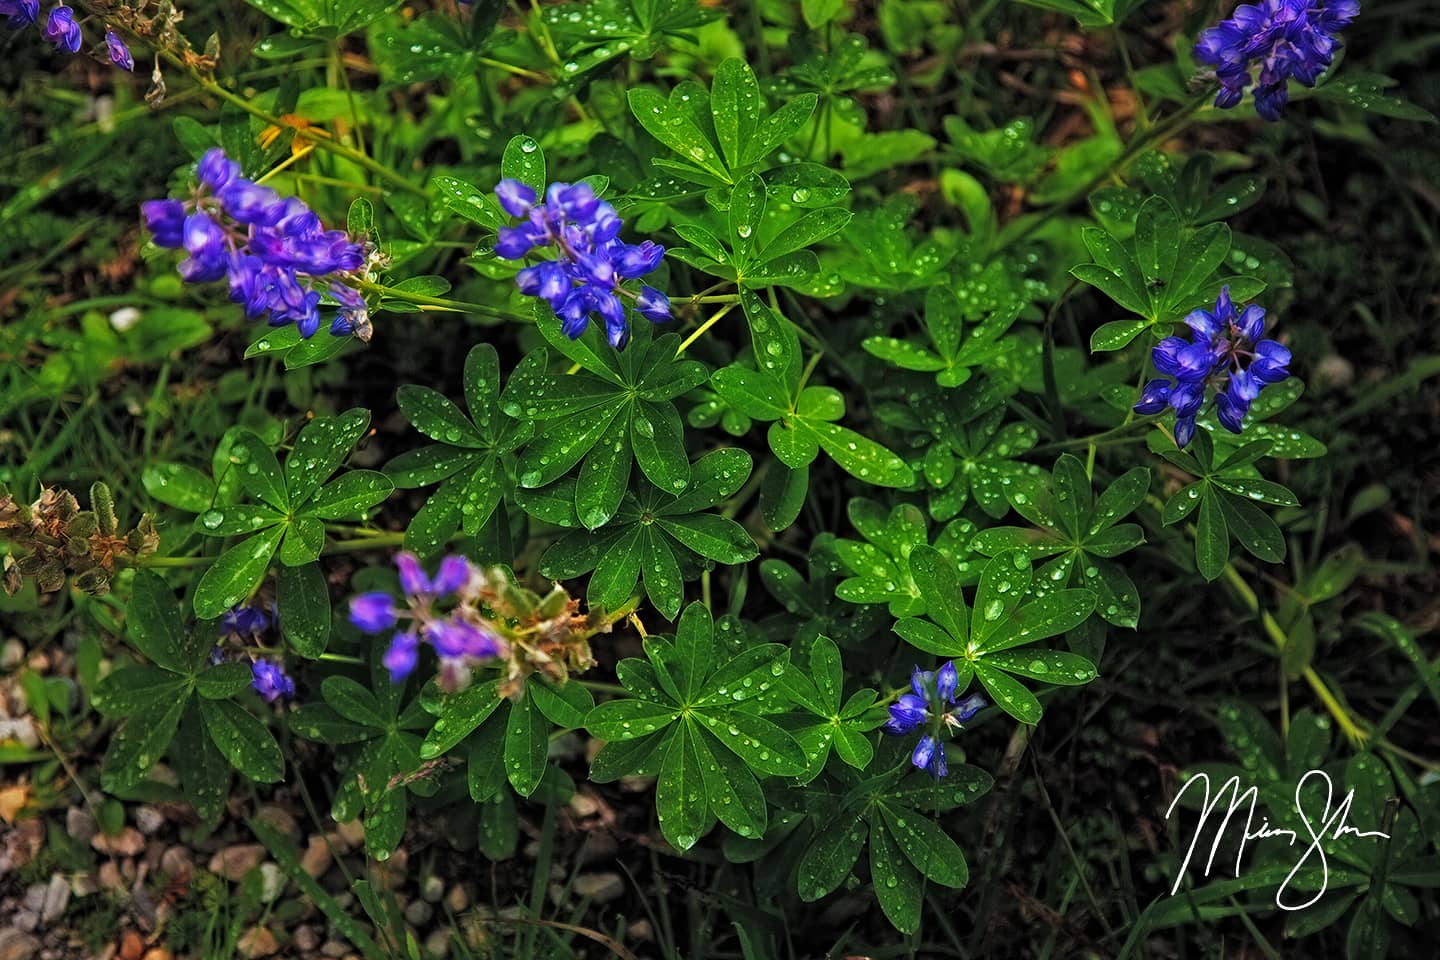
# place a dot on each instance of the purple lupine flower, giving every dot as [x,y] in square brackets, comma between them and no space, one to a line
[62,30]
[402,656]
[591,264]
[275,253]
[373,612]
[924,707]
[119,52]
[1224,346]
[20,13]
[270,681]
[243,620]
[1288,39]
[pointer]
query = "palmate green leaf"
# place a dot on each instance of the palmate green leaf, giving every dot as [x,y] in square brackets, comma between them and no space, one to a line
[457,715]
[1116,334]
[736,107]
[928,848]
[604,477]
[304,539]
[1008,693]
[258,470]
[222,681]
[775,342]
[669,122]
[712,536]
[237,519]
[898,885]
[235,574]
[680,803]
[523,160]
[155,627]
[658,438]
[1255,530]
[468,201]
[860,456]
[831,856]
[136,746]
[180,486]
[1212,535]
[565,705]
[350,496]
[434,415]
[320,448]
[782,496]
[129,689]
[204,774]
[243,740]
[302,606]
[527,739]
[485,765]
[731,790]
[561,445]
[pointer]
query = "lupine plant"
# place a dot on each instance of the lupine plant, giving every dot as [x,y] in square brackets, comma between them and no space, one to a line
[722,410]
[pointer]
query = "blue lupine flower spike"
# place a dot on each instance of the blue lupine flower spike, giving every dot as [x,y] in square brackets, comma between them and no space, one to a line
[1288,39]
[591,265]
[924,708]
[119,52]
[277,256]
[1225,348]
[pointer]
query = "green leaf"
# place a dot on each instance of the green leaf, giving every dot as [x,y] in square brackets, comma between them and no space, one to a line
[668,122]
[320,448]
[353,702]
[604,477]
[243,740]
[237,519]
[154,625]
[658,438]
[458,714]
[806,231]
[222,681]
[775,342]
[939,584]
[782,495]
[259,471]
[712,536]
[304,539]
[469,202]
[527,740]
[731,790]
[1255,530]
[180,486]
[434,415]
[1008,694]
[523,160]
[736,106]
[1116,334]
[136,746]
[860,456]
[897,883]
[756,395]
[302,606]
[928,848]
[680,803]
[1157,233]
[1212,537]
[204,774]
[133,688]
[565,705]
[1051,666]
[764,746]
[350,496]
[830,857]
[627,719]
[235,574]
[927,637]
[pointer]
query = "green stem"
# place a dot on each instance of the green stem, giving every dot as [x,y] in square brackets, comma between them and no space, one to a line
[378,541]
[438,303]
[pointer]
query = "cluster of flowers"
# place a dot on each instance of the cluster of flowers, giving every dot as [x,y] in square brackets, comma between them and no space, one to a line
[274,250]
[1225,343]
[62,29]
[925,708]
[247,622]
[1287,38]
[592,261]
[461,637]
